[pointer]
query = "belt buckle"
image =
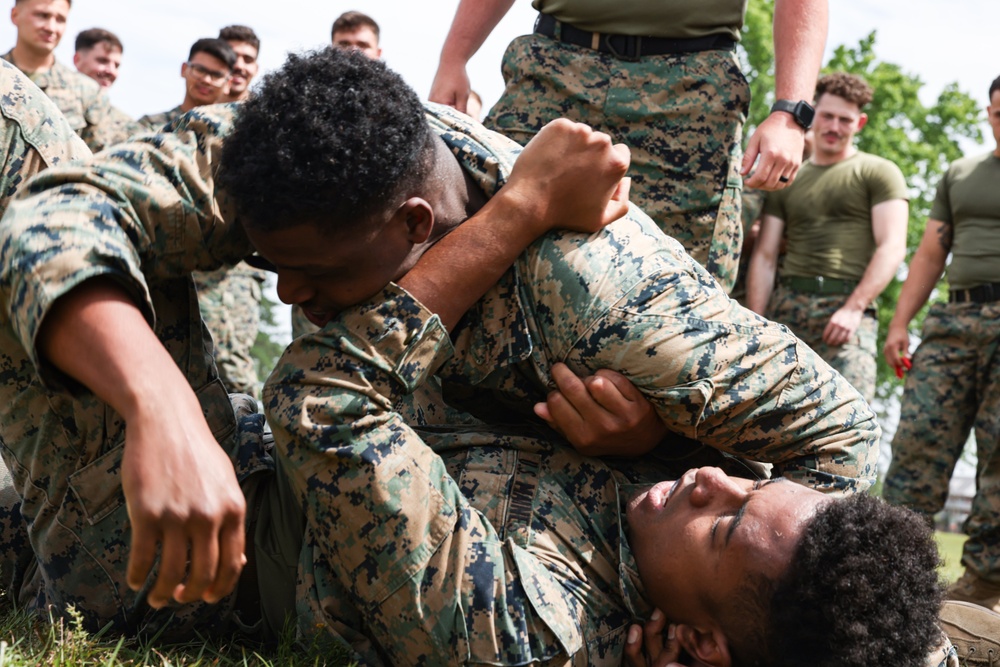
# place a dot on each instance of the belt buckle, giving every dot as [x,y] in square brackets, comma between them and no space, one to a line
[633,47]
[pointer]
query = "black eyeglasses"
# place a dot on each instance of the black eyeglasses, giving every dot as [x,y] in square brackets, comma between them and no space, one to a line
[214,76]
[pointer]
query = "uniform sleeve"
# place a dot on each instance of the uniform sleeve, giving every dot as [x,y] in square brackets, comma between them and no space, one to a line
[716,372]
[145,211]
[34,133]
[387,517]
[886,182]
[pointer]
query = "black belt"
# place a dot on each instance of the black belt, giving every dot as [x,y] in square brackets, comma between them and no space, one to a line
[986,293]
[628,47]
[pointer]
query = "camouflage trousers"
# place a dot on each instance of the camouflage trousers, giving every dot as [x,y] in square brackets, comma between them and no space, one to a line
[808,314]
[229,300]
[681,115]
[953,388]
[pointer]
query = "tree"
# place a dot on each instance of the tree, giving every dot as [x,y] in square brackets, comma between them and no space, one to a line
[921,140]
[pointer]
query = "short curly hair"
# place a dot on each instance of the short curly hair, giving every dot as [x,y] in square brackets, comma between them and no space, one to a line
[332,138]
[849,86]
[862,589]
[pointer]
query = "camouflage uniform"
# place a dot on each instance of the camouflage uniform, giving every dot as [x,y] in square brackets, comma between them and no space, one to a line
[230,306]
[681,115]
[62,445]
[157,121]
[808,314]
[81,101]
[480,562]
[35,136]
[501,518]
[953,387]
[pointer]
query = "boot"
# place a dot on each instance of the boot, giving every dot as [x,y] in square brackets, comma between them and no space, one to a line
[974,631]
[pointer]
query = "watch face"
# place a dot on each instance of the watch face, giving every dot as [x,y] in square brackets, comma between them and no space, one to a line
[804,114]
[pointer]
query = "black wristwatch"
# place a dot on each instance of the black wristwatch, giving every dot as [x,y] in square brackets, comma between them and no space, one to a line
[801,111]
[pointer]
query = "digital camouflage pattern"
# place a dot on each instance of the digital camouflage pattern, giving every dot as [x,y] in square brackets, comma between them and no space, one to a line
[63,445]
[34,134]
[681,115]
[436,579]
[83,104]
[953,388]
[229,299]
[157,121]
[35,137]
[807,316]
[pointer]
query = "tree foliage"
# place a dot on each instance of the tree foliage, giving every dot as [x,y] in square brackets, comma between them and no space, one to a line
[922,140]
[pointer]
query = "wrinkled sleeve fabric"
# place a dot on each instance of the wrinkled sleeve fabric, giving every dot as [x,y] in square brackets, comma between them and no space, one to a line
[146,210]
[716,372]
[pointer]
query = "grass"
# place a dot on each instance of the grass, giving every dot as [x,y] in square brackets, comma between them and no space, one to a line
[950,546]
[27,640]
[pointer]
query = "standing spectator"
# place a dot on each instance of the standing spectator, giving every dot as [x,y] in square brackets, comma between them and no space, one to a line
[954,385]
[207,70]
[98,55]
[663,79]
[845,221]
[354,30]
[246,45]
[229,298]
[41,25]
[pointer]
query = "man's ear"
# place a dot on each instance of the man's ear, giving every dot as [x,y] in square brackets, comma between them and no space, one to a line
[418,216]
[707,645]
[862,121]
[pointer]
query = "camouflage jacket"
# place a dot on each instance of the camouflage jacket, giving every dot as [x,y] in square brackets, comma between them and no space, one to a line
[81,101]
[628,299]
[157,121]
[35,136]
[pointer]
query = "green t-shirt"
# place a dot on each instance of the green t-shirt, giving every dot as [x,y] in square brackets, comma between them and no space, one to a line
[968,198]
[677,19]
[827,214]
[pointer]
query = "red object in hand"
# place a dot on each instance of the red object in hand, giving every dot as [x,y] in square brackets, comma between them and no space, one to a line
[905,365]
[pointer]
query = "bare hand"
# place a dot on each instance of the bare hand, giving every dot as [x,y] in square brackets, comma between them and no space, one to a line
[451,86]
[649,647]
[603,414]
[897,347]
[572,177]
[181,492]
[842,326]
[777,143]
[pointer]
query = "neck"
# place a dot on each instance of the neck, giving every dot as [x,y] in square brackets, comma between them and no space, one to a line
[31,60]
[824,160]
[235,98]
[456,196]
[188,104]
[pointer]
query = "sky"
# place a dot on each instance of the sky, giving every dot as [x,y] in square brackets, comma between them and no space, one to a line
[941,42]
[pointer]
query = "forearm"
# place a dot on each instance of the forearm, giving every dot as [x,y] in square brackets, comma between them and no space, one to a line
[97,335]
[878,274]
[760,281]
[924,273]
[800,30]
[459,269]
[474,21]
